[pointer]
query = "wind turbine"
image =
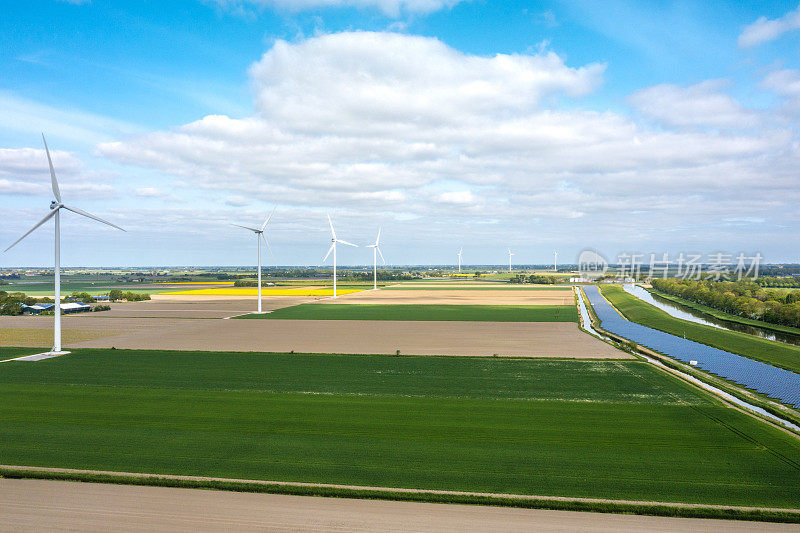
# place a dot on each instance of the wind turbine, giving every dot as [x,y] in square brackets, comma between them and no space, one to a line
[459,259]
[334,240]
[555,261]
[509,259]
[375,251]
[55,211]
[260,235]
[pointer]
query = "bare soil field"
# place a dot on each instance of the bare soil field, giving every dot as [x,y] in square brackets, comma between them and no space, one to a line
[462,284]
[456,297]
[177,306]
[522,339]
[40,505]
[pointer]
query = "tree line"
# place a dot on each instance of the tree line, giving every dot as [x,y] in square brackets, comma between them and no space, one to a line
[792,282]
[535,278]
[746,299]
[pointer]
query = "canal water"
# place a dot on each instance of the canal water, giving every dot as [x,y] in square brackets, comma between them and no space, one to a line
[692,315]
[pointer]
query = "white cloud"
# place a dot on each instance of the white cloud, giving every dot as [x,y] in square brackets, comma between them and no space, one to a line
[457,198]
[387,126]
[24,171]
[783,82]
[378,81]
[237,201]
[764,29]
[703,104]
[393,8]
[149,192]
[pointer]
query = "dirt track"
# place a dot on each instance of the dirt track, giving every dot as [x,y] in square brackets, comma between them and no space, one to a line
[37,505]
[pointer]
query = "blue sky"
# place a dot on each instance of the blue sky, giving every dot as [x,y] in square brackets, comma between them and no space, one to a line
[540,126]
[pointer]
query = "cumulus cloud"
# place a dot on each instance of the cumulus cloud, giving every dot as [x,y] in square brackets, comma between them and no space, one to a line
[457,198]
[149,192]
[391,8]
[24,171]
[703,104]
[408,128]
[764,29]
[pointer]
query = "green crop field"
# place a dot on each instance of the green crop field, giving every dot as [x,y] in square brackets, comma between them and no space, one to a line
[480,313]
[39,289]
[601,429]
[775,353]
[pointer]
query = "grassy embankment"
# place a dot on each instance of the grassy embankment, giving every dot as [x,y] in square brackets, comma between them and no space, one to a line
[775,353]
[597,429]
[722,315]
[481,313]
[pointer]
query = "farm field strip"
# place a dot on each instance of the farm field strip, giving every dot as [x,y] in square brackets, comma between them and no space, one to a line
[265,291]
[40,505]
[594,429]
[495,287]
[552,339]
[404,312]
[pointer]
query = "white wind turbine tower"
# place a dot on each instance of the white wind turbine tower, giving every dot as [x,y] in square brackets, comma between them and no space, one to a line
[555,261]
[55,211]
[459,259]
[375,251]
[334,241]
[259,232]
[510,253]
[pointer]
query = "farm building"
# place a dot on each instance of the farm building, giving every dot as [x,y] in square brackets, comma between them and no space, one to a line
[67,308]
[36,309]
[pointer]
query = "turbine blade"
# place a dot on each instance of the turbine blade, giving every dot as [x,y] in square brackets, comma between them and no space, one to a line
[56,192]
[89,215]
[268,247]
[381,254]
[347,243]
[378,240]
[45,219]
[333,232]
[246,227]
[329,252]
[268,218]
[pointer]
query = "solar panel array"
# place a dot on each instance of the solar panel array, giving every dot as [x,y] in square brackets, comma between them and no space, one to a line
[767,379]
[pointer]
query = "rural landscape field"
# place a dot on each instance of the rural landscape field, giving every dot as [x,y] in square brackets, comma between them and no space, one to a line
[400,265]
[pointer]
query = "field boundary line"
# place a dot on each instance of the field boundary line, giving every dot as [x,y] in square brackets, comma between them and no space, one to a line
[21,471]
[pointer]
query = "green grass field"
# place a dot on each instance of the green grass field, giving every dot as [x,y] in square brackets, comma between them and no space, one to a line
[722,315]
[40,289]
[775,353]
[602,429]
[481,313]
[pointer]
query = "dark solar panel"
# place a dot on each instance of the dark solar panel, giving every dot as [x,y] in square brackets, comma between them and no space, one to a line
[775,382]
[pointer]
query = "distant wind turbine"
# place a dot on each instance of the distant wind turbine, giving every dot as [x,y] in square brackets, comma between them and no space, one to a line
[555,261]
[375,251]
[510,253]
[260,235]
[334,241]
[55,211]
[459,259]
